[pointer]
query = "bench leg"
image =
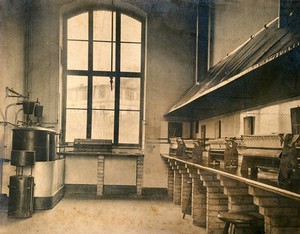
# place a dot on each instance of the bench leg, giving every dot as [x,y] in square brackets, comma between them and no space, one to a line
[226,228]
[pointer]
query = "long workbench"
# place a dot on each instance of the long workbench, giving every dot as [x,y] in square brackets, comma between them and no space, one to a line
[211,189]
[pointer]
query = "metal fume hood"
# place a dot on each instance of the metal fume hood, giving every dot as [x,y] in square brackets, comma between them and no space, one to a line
[264,69]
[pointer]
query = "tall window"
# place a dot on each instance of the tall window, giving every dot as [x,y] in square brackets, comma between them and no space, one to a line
[218,129]
[103,77]
[249,125]
[174,129]
[295,120]
[203,132]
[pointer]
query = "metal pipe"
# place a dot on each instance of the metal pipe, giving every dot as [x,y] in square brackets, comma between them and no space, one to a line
[10,105]
[8,123]
[10,90]
[5,122]
[16,118]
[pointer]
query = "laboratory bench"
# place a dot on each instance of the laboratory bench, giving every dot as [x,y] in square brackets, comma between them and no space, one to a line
[204,189]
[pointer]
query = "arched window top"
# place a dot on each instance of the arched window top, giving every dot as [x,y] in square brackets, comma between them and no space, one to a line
[103,80]
[79,7]
[104,26]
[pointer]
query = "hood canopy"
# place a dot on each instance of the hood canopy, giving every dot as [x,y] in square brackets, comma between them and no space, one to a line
[252,58]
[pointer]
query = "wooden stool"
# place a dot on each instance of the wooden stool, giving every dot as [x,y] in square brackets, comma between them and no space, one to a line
[235,219]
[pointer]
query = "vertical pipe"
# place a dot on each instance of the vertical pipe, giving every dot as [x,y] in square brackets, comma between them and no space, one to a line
[202,39]
[197,46]
[27,15]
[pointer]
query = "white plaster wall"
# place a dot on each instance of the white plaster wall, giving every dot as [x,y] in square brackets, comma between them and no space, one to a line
[230,126]
[170,53]
[119,171]
[8,171]
[170,73]
[12,29]
[269,119]
[44,64]
[235,21]
[81,169]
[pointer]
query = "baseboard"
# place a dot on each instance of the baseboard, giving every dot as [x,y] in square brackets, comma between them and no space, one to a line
[155,192]
[119,190]
[90,191]
[47,203]
[40,203]
[122,191]
[80,190]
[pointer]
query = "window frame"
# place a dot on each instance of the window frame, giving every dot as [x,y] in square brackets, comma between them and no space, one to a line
[117,74]
[249,125]
[218,129]
[295,120]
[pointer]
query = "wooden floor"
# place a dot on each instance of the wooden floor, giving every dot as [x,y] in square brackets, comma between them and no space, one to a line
[75,215]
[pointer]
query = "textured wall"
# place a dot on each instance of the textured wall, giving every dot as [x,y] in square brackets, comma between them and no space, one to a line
[273,118]
[170,72]
[235,21]
[170,49]
[12,36]
[170,54]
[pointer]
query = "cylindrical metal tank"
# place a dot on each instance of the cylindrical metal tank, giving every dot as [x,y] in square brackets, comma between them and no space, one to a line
[40,140]
[38,111]
[22,158]
[28,107]
[20,202]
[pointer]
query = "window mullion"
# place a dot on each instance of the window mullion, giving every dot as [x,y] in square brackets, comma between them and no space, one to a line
[117,80]
[142,83]
[64,79]
[90,77]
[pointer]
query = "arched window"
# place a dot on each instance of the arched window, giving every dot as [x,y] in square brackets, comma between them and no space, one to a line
[103,58]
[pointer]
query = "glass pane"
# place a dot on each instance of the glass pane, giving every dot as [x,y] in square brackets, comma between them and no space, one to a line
[102,56]
[103,96]
[130,29]
[129,127]
[130,57]
[130,94]
[77,92]
[77,55]
[102,25]
[103,124]
[76,124]
[78,27]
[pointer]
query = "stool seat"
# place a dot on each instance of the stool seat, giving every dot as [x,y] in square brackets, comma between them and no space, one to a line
[238,219]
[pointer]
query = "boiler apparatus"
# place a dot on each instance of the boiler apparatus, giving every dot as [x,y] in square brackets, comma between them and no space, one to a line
[47,172]
[38,139]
